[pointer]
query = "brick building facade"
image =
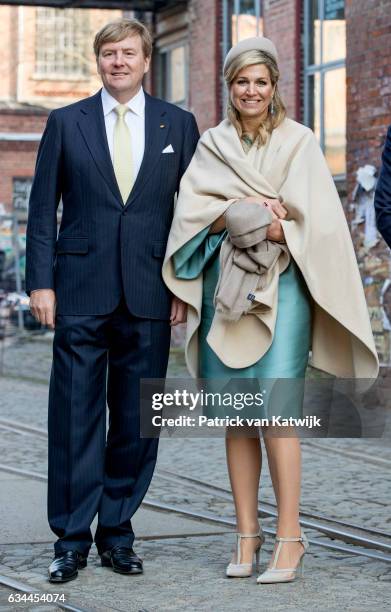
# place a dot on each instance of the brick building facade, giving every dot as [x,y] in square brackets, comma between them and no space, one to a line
[27,95]
[17,157]
[368,66]
[368,101]
[198,26]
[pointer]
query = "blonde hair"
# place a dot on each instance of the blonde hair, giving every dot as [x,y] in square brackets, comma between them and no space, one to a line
[117,30]
[250,58]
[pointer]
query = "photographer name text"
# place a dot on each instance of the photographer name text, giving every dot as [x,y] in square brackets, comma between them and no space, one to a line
[203,421]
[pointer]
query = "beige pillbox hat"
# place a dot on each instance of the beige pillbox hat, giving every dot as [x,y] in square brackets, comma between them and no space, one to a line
[259,43]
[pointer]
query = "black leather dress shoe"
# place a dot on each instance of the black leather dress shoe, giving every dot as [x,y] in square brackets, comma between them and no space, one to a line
[123,560]
[65,566]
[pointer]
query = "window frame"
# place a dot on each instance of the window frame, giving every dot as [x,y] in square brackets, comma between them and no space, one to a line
[310,70]
[81,72]
[165,75]
[227,29]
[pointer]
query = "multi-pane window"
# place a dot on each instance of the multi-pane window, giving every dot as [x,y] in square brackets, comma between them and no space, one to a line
[62,42]
[242,19]
[325,78]
[172,74]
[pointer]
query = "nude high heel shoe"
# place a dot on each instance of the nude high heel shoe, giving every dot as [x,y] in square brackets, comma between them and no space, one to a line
[243,570]
[274,574]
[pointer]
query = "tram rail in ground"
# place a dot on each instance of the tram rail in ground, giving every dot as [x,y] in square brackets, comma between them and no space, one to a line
[34,596]
[353,543]
[266,509]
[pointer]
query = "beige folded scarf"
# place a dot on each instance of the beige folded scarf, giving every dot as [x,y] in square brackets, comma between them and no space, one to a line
[246,257]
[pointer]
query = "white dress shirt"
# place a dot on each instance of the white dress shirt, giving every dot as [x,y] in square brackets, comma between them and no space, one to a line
[135,120]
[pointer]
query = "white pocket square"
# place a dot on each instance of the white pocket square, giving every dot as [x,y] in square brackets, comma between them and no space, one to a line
[168,149]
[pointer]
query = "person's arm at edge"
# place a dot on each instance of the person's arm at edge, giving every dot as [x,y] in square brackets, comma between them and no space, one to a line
[382,200]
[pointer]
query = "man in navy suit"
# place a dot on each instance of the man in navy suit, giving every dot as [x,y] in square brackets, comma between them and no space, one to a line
[116,160]
[383,193]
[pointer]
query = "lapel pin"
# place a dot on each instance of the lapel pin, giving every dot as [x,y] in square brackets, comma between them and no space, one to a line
[162,125]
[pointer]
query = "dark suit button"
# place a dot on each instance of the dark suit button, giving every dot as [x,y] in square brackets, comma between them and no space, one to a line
[124,212]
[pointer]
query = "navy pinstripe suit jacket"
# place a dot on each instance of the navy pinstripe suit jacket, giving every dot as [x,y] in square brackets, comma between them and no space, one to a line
[383,193]
[104,249]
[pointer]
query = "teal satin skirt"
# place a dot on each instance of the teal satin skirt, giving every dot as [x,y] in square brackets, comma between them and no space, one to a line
[287,357]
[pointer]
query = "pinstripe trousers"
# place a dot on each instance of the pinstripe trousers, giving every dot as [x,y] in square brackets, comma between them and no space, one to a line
[99,359]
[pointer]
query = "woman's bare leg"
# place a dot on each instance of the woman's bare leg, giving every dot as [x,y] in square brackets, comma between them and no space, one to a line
[244,462]
[284,457]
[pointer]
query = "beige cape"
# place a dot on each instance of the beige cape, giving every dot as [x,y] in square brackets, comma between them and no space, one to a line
[291,165]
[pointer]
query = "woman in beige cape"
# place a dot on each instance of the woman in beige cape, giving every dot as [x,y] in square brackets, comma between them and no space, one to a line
[311,298]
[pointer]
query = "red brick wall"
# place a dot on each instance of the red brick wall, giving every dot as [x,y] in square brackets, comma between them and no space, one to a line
[205,61]
[368,82]
[368,70]
[17,159]
[11,121]
[282,26]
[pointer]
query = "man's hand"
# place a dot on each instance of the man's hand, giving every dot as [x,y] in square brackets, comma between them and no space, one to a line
[42,306]
[178,311]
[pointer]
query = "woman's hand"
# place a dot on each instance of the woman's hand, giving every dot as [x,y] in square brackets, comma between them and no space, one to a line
[271,204]
[178,311]
[217,226]
[275,206]
[277,210]
[275,233]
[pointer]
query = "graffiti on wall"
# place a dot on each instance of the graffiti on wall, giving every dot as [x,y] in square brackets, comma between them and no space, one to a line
[374,260]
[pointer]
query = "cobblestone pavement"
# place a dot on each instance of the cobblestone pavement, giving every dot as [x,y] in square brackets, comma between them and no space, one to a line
[354,488]
[192,578]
